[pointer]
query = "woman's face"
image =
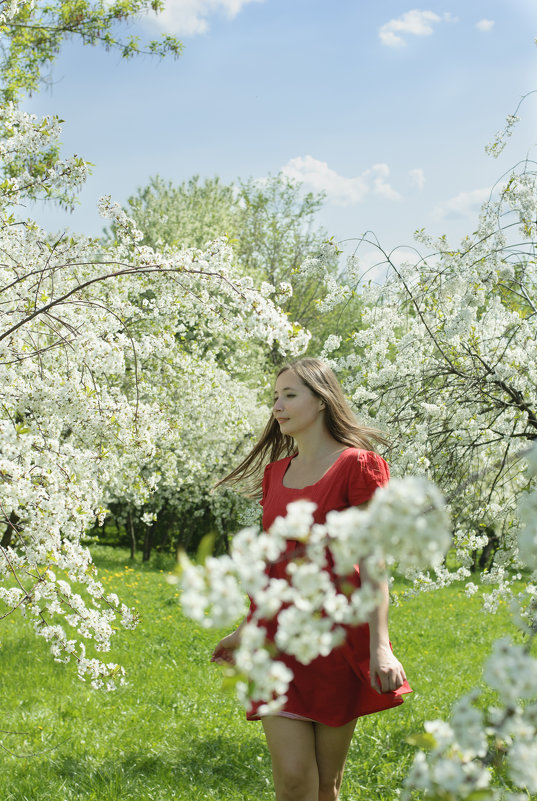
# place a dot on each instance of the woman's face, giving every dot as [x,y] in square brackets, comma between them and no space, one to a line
[295,408]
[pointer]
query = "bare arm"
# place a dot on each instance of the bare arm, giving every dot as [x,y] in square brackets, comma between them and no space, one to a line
[387,673]
[224,649]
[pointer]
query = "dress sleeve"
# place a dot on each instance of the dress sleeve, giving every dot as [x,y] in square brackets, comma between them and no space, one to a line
[265,484]
[368,472]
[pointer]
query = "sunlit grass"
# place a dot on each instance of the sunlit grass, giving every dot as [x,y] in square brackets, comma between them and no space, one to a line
[173,733]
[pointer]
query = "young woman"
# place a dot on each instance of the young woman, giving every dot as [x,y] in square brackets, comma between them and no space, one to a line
[328,459]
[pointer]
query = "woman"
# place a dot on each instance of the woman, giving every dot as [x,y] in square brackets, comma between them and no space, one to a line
[328,459]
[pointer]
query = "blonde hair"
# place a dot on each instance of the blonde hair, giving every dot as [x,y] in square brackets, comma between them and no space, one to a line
[338,416]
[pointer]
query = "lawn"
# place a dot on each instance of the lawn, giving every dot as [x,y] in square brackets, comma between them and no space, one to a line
[174,733]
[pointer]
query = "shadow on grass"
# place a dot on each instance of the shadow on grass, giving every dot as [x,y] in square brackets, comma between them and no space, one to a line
[215,767]
[109,557]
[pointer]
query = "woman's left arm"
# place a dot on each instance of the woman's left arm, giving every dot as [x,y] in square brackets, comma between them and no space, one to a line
[386,672]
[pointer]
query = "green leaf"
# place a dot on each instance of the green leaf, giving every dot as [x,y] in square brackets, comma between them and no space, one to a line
[206,547]
[424,740]
[230,679]
[182,561]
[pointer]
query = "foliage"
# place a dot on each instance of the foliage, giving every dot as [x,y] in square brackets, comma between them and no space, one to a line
[187,215]
[271,225]
[32,34]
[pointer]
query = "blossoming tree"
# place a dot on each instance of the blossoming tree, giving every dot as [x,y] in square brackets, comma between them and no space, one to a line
[101,398]
[445,360]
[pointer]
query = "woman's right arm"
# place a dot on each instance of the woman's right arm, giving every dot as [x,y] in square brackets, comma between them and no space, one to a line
[227,645]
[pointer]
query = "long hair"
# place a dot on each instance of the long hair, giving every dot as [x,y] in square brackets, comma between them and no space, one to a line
[338,417]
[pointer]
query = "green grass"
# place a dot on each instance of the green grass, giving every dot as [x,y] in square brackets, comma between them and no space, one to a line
[173,733]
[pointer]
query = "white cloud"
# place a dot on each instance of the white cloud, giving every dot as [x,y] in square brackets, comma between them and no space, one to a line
[485,25]
[189,17]
[417,176]
[343,191]
[415,22]
[463,205]
[379,172]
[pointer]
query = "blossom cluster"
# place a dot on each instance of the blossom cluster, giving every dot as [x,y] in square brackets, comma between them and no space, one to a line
[8,10]
[457,763]
[444,358]
[497,146]
[115,361]
[29,155]
[404,524]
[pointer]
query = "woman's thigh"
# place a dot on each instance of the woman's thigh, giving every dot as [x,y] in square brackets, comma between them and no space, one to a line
[294,763]
[331,747]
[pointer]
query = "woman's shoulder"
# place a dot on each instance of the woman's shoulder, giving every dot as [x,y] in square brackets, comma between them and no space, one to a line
[360,454]
[277,465]
[370,461]
[365,472]
[272,474]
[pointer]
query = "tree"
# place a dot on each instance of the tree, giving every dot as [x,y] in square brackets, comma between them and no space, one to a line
[445,362]
[273,230]
[33,33]
[90,336]
[111,383]
[188,215]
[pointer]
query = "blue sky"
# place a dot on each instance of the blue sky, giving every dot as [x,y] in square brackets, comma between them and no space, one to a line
[385,106]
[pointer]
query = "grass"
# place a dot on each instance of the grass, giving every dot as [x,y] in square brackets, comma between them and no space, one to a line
[173,733]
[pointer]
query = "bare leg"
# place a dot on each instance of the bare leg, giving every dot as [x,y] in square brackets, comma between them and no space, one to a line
[331,747]
[307,758]
[293,750]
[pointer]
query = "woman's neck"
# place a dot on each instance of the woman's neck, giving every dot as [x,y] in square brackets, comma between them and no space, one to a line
[315,446]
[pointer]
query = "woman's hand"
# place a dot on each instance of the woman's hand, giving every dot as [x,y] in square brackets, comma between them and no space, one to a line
[224,650]
[386,672]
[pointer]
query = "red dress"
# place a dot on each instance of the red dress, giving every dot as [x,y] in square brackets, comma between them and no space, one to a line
[333,689]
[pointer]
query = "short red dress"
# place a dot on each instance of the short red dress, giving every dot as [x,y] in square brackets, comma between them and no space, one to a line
[333,689]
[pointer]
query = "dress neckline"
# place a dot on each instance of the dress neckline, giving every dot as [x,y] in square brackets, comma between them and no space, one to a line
[308,486]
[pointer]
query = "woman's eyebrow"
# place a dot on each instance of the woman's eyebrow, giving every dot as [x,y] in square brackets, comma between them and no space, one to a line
[284,389]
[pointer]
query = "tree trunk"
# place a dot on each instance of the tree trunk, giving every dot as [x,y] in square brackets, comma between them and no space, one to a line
[485,559]
[133,536]
[10,530]
[148,543]
[487,554]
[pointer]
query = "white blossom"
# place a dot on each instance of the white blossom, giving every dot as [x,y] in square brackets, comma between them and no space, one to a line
[309,604]
[103,401]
